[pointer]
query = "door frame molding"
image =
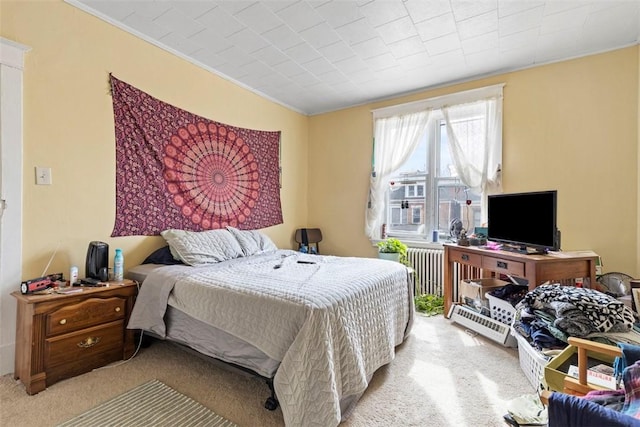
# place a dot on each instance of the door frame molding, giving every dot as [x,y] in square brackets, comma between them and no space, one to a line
[11,104]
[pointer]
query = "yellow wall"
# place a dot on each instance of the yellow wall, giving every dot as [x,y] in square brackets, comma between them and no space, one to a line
[570,126]
[68,126]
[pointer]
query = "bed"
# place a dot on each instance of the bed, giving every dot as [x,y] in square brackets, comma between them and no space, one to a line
[318,326]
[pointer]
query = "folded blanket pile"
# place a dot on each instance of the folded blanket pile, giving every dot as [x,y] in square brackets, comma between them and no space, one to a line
[548,314]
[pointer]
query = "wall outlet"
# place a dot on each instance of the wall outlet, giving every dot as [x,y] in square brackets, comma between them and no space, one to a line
[43,176]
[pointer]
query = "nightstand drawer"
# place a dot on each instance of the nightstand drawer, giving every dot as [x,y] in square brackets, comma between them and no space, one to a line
[503,266]
[93,311]
[72,354]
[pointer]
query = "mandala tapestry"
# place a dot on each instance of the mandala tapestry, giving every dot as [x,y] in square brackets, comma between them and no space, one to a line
[175,169]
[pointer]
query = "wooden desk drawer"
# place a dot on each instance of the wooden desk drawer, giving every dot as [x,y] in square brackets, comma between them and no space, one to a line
[503,266]
[82,350]
[466,258]
[93,311]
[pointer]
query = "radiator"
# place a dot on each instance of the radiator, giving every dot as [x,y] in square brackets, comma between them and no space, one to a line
[429,269]
[428,264]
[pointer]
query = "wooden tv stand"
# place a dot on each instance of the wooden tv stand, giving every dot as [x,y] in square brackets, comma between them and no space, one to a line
[537,269]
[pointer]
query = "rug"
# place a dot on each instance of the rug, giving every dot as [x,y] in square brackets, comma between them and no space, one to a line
[150,404]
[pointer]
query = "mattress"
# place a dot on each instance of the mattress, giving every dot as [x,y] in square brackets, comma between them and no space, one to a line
[207,339]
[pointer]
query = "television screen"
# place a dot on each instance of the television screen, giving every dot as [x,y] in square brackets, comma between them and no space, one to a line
[524,220]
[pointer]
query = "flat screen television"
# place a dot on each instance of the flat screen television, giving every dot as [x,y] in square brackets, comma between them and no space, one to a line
[524,222]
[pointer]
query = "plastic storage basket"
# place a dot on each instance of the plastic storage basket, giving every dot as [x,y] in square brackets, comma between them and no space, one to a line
[501,310]
[532,362]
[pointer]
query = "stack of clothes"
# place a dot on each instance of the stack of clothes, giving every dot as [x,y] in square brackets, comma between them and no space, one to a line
[549,314]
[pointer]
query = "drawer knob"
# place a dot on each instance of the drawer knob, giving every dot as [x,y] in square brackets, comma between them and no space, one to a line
[89,342]
[465,257]
[502,264]
[63,321]
[117,309]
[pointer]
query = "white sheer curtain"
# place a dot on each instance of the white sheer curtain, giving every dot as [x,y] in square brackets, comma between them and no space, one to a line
[395,139]
[476,146]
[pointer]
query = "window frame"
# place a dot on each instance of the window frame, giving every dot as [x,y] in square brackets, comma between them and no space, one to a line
[431,185]
[494,92]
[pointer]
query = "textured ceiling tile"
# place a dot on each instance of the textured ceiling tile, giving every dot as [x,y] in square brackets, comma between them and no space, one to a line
[420,10]
[320,35]
[211,39]
[443,44]
[397,30]
[418,60]
[221,21]
[382,62]
[191,8]
[481,43]
[465,9]
[289,68]
[478,25]
[381,12]
[521,21]
[319,66]
[518,40]
[116,10]
[177,22]
[180,44]
[339,13]
[407,47]
[563,20]
[337,51]
[357,31]
[259,18]
[248,40]
[302,53]
[234,6]
[436,27]
[300,16]
[151,10]
[509,7]
[352,65]
[208,58]
[235,56]
[366,49]
[370,48]
[270,55]
[283,37]
[145,26]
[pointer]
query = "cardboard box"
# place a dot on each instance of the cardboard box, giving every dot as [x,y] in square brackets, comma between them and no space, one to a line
[557,368]
[474,289]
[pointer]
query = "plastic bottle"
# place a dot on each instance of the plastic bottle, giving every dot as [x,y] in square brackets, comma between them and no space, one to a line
[73,275]
[118,266]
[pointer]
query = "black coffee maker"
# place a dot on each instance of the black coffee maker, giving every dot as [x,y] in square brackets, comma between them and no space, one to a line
[97,266]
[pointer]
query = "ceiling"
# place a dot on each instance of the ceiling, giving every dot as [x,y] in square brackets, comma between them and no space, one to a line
[315,56]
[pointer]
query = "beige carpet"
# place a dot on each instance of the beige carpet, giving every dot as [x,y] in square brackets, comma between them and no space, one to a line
[441,376]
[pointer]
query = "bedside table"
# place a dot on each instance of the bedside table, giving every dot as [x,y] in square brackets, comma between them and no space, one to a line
[60,336]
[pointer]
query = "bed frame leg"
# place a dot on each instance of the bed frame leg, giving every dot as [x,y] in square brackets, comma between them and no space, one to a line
[272,401]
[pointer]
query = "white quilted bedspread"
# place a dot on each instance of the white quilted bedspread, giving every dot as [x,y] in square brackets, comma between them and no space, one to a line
[331,323]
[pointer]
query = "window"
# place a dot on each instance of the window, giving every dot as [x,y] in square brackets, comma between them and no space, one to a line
[431,167]
[435,161]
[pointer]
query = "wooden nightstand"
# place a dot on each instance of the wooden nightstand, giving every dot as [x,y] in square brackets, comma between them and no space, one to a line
[61,336]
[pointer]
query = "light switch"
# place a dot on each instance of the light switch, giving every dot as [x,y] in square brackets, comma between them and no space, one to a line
[43,176]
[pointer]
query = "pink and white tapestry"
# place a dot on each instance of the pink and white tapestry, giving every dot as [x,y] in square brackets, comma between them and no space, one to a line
[175,169]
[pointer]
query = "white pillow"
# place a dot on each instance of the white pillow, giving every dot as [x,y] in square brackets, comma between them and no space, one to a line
[202,247]
[252,241]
